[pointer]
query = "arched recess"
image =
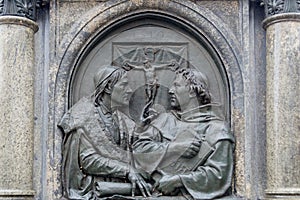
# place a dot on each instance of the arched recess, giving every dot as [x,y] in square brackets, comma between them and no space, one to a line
[171,39]
[199,22]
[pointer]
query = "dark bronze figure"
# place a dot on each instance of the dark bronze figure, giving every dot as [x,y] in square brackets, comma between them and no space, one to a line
[94,153]
[189,151]
[182,153]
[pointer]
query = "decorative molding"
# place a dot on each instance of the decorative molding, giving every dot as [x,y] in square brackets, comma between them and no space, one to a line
[285,17]
[19,193]
[16,20]
[274,7]
[21,8]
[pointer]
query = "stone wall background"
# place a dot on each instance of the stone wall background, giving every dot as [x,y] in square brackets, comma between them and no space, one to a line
[64,25]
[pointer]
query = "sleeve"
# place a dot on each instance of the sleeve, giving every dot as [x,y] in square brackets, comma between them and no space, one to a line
[77,116]
[213,178]
[149,141]
[93,163]
[155,137]
[149,150]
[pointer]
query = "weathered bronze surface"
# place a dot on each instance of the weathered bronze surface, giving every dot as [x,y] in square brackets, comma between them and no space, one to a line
[153,125]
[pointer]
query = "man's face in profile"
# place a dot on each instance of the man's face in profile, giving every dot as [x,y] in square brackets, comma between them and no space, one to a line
[179,92]
[121,92]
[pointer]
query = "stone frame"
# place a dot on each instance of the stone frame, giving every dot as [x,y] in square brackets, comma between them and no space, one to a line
[201,20]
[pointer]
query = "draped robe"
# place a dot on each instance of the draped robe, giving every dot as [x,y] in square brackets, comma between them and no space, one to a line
[205,176]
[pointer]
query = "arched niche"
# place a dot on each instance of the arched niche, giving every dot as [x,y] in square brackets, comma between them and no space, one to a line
[169,40]
[196,23]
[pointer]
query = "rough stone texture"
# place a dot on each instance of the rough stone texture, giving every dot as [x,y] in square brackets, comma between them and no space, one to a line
[70,12]
[16,108]
[227,11]
[231,28]
[283,106]
[71,35]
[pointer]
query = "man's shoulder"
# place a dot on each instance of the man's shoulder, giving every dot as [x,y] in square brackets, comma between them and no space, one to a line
[165,117]
[83,105]
[166,120]
[218,130]
[77,115]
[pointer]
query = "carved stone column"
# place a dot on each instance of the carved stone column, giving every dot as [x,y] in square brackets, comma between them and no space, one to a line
[283,98]
[17,28]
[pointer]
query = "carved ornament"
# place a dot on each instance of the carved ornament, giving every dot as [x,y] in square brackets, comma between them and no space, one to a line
[21,8]
[146,120]
[273,7]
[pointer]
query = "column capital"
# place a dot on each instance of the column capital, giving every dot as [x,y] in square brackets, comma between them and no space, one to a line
[19,21]
[274,7]
[21,8]
[284,17]
[280,11]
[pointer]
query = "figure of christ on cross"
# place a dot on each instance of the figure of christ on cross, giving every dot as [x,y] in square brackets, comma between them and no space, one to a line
[150,75]
[151,81]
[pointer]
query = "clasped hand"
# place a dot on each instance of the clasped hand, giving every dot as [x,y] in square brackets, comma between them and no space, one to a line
[189,148]
[168,184]
[192,150]
[137,180]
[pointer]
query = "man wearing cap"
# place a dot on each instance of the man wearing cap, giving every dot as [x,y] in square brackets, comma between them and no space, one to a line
[91,152]
[189,151]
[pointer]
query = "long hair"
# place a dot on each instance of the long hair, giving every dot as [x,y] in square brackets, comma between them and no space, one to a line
[107,85]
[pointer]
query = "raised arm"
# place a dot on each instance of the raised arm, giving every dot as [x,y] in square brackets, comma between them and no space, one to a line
[173,65]
[128,66]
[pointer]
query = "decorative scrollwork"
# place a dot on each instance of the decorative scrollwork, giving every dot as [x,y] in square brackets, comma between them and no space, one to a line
[1,6]
[22,8]
[25,8]
[273,7]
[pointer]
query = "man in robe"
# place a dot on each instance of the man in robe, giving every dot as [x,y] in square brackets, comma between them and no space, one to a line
[189,151]
[93,151]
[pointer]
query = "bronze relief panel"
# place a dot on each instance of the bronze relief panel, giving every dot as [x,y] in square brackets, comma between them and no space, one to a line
[148,117]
